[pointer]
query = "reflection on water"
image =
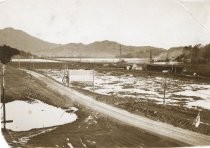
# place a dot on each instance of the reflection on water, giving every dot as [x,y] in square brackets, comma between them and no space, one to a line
[105,60]
[36,114]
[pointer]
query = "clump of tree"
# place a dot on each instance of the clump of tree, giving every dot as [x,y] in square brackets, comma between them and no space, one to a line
[6,53]
[206,53]
[24,54]
[195,54]
[195,57]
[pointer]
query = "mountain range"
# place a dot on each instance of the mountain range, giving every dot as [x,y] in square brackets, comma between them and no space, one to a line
[23,41]
[106,49]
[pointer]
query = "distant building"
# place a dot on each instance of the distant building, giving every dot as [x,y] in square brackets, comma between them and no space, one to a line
[161,67]
[136,67]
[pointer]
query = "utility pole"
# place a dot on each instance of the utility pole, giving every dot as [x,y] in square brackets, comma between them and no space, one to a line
[19,63]
[29,56]
[33,62]
[164,86]
[67,72]
[93,80]
[150,56]
[3,98]
[120,54]
[46,62]
[4,60]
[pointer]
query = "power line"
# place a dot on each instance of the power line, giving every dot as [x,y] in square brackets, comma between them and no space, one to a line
[192,16]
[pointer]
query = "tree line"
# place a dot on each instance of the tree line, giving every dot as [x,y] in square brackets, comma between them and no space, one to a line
[196,54]
[6,53]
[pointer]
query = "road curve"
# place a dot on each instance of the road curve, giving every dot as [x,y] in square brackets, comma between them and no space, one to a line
[155,127]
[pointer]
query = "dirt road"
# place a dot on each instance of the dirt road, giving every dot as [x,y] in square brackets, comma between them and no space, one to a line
[155,127]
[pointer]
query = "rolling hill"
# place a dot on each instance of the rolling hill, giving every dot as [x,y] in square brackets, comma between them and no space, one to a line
[23,41]
[108,49]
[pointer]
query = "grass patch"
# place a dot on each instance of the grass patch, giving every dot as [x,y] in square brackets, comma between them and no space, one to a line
[22,86]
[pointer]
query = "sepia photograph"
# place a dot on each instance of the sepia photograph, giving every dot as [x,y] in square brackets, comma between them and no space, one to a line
[104,73]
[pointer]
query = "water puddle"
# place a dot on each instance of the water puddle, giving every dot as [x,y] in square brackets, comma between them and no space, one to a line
[36,114]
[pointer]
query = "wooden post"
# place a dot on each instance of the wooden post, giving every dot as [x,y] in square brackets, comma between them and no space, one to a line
[46,64]
[19,63]
[164,95]
[150,57]
[67,75]
[164,91]
[30,64]
[3,98]
[93,80]
[33,61]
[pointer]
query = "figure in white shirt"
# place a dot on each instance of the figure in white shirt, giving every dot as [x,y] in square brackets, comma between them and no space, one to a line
[197,121]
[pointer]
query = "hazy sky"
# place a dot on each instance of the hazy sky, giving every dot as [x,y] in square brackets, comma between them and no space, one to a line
[161,23]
